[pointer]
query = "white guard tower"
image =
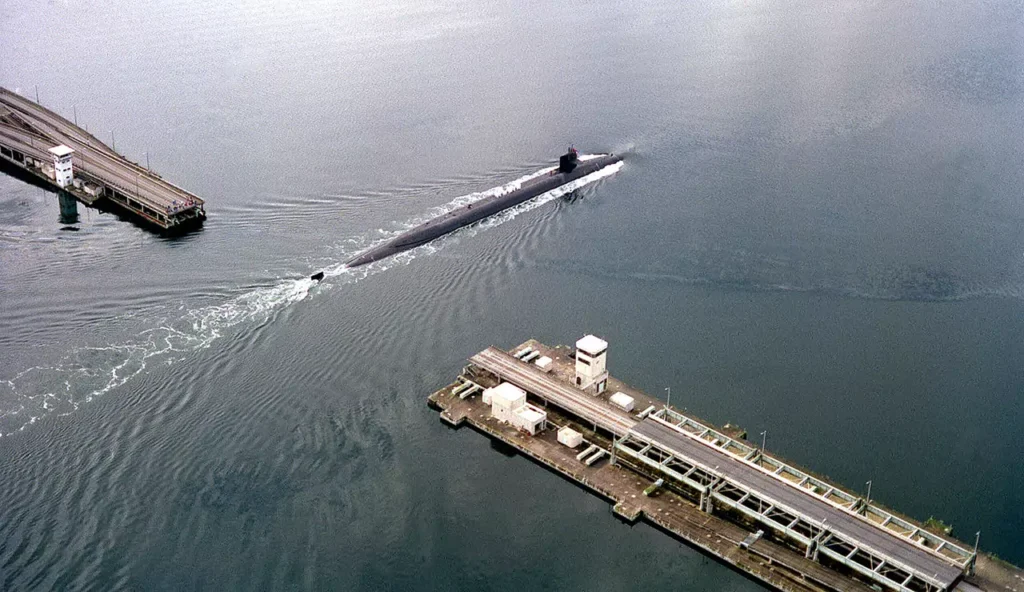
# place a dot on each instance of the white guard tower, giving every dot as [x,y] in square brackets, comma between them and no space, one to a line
[62,172]
[591,364]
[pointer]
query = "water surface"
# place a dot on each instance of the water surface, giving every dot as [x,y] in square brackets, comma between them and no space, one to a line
[818,231]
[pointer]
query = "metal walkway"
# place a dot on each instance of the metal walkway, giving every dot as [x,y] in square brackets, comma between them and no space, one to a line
[821,527]
[828,493]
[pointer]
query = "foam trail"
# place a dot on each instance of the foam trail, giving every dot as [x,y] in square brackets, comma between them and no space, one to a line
[433,246]
[87,372]
[509,187]
[84,373]
[544,198]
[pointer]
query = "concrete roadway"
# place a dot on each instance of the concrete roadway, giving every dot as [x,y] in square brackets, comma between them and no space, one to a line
[102,167]
[849,527]
[27,144]
[27,107]
[91,155]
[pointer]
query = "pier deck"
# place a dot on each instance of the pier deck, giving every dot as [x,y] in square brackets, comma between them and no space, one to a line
[765,561]
[27,132]
[812,549]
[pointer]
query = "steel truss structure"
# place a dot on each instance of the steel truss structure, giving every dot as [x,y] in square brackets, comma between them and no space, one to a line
[713,488]
[949,551]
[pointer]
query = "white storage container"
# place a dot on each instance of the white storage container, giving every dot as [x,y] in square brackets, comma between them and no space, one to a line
[570,437]
[505,399]
[544,363]
[622,401]
[530,419]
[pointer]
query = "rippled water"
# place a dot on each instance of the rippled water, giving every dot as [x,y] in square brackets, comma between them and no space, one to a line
[817,230]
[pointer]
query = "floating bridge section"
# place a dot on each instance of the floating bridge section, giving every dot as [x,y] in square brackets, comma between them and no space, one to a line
[824,521]
[28,132]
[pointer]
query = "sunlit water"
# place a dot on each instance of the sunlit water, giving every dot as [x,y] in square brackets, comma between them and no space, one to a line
[817,230]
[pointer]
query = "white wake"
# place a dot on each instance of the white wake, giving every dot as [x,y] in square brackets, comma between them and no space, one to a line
[87,372]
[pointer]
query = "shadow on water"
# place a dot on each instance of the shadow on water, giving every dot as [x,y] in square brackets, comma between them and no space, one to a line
[182,235]
[573,196]
[503,448]
[22,175]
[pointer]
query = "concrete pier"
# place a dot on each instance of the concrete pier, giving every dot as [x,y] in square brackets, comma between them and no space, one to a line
[68,208]
[66,157]
[716,488]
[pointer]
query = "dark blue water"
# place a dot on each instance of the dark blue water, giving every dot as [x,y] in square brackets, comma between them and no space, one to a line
[818,231]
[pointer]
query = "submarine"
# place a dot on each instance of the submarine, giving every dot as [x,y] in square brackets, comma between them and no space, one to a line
[570,168]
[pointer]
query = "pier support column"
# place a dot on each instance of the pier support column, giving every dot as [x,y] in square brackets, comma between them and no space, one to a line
[706,503]
[814,547]
[68,208]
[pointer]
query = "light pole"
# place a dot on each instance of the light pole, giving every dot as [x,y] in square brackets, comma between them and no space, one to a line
[668,401]
[764,439]
[147,162]
[113,142]
[868,502]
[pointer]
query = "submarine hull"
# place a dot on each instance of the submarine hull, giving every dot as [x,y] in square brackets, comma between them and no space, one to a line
[484,208]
